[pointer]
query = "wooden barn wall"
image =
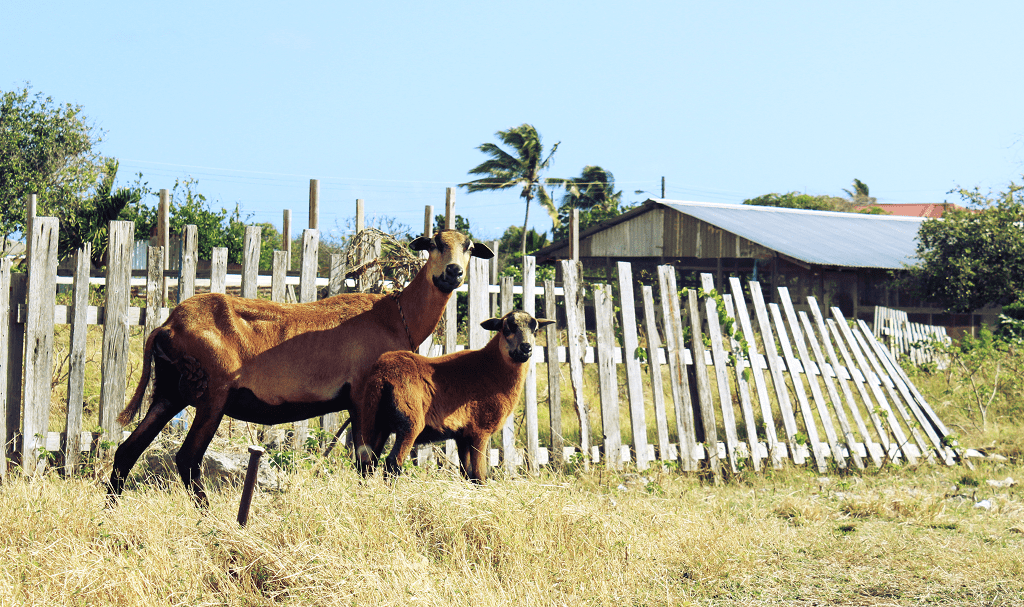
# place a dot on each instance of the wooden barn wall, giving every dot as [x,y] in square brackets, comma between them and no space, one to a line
[686,236]
[639,237]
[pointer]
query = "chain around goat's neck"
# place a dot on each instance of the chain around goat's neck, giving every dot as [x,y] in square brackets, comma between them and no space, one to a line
[394,295]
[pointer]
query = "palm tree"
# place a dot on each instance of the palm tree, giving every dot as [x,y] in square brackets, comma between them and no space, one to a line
[860,194]
[521,168]
[593,193]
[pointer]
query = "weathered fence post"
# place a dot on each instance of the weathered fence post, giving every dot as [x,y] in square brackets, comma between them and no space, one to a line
[42,286]
[114,364]
[576,343]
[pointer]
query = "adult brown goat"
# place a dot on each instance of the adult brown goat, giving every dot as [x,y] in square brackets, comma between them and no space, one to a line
[271,363]
[465,395]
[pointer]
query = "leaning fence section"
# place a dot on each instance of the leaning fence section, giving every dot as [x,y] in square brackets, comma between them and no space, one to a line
[714,378]
[919,342]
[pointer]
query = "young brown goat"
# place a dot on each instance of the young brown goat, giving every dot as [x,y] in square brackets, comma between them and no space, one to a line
[465,395]
[270,363]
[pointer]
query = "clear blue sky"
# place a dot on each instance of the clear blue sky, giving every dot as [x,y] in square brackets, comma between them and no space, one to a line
[388,101]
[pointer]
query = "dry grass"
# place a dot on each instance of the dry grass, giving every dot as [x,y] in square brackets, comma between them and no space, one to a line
[896,537]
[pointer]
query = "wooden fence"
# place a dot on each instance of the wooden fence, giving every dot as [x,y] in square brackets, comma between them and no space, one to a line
[729,381]
[904,338]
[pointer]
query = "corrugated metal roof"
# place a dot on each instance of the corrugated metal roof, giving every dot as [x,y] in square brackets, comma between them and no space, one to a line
[853,240]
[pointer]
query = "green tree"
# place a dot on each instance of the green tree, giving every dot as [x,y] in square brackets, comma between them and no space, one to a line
[796,200]
[858,197]
[521,168]
[510,257]
[89,220]
[972,258]
[48,149]
[593,193]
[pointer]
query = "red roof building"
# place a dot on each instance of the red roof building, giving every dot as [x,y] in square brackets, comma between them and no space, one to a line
[930,210]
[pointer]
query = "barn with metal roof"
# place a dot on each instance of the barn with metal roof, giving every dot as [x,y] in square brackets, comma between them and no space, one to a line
[843,259]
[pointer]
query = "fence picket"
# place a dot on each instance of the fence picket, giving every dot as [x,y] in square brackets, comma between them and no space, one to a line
[557,454]
[114,362]
[154,307]
[530,387]
[721,373]
[6,321]
[684,400]
[707,405]
[654,365]
[775,367]
[189,260]
[575,339]
[630,344]
[279,272]
[508,431]
[218,270]
[251,261]
[743,390]
[608,385]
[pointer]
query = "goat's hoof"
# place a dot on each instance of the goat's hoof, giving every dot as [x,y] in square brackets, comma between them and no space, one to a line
[391,469]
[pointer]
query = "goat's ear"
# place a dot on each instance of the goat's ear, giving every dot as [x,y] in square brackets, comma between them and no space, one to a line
[491,324]
[543,322]
[421,244]
[482,251]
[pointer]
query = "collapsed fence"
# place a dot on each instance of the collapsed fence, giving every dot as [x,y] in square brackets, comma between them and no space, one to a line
[729,380]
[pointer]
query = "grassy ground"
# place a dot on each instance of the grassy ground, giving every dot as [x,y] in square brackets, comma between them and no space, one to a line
[900,536]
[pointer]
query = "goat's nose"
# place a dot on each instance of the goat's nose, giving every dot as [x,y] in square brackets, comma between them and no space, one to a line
[453,271]
[526,349]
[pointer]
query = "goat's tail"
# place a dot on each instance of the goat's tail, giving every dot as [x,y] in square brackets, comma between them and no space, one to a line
[132,408]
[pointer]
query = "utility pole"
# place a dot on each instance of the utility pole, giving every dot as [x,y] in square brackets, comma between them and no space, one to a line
[662,186]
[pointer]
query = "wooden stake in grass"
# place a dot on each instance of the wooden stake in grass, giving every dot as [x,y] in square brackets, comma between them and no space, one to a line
[250,483]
